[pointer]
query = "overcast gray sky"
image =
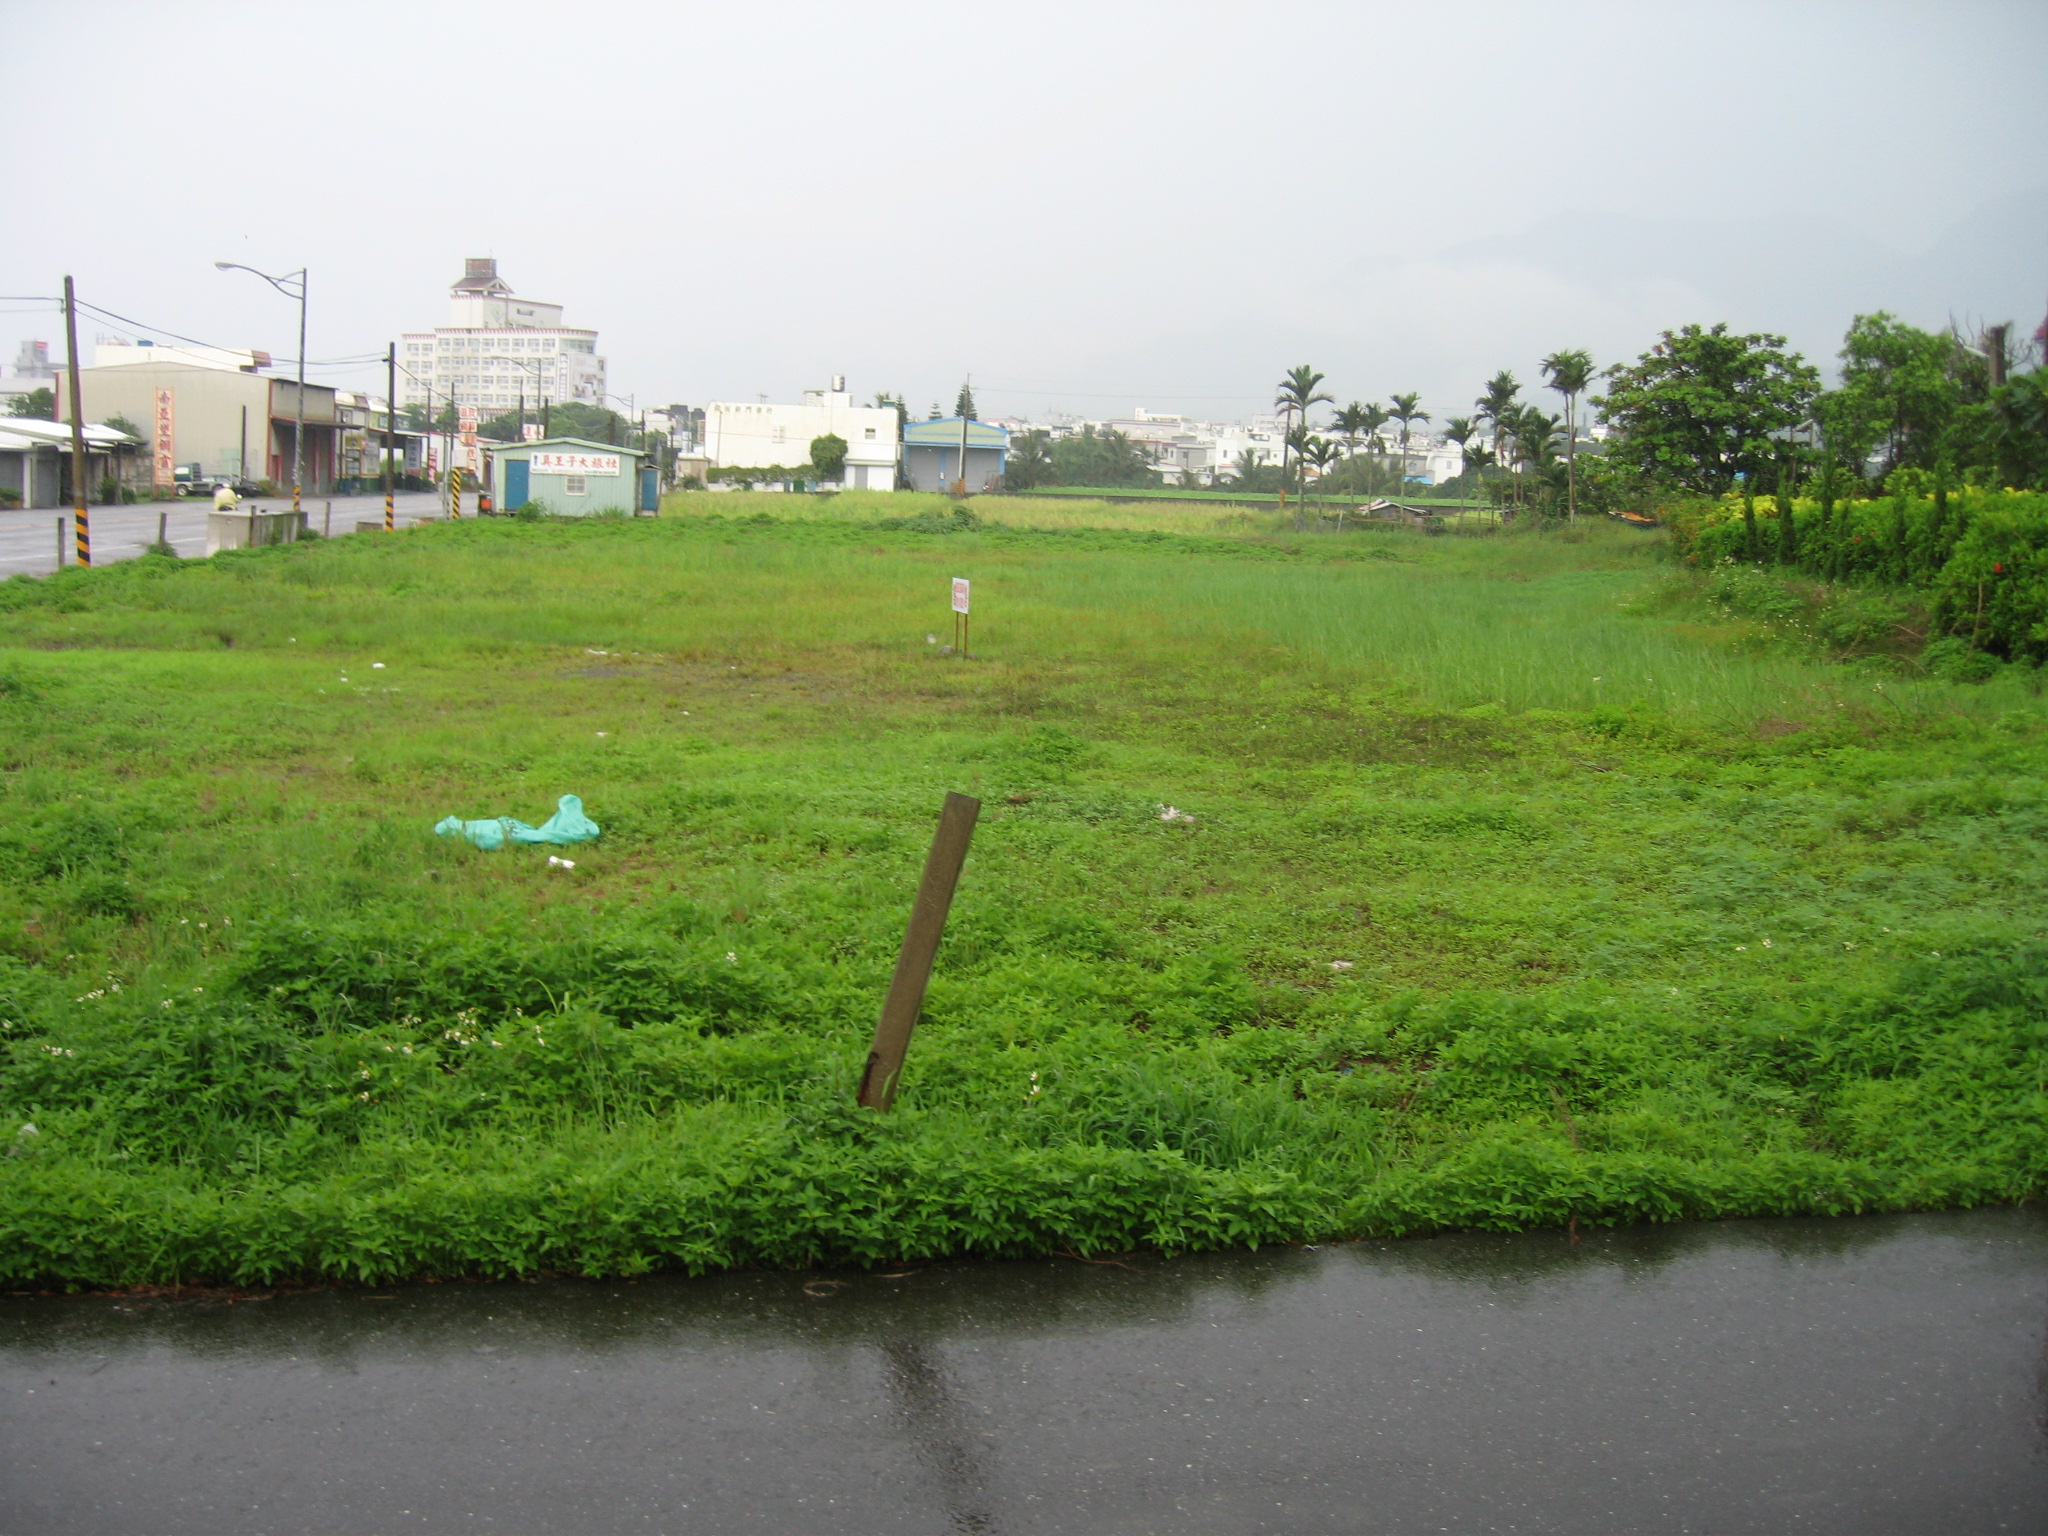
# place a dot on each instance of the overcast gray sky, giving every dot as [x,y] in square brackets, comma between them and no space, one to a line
[1089,207]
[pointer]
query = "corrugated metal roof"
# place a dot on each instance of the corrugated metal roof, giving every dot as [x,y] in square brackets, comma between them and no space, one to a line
[97,434]
[945,433]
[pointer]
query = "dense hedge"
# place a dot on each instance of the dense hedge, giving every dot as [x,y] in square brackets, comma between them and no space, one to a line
[1980,556]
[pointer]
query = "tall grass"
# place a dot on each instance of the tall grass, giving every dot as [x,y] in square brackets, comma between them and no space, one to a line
[1457,934]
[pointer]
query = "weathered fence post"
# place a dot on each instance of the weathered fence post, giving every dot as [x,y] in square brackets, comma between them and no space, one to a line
[920,944]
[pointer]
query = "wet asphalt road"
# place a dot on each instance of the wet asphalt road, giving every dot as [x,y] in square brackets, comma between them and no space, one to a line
[28,540]
[1881,1375]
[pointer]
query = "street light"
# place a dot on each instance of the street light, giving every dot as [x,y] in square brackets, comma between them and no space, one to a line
[299,413]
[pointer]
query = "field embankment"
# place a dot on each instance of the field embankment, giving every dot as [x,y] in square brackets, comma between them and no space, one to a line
[1505,893]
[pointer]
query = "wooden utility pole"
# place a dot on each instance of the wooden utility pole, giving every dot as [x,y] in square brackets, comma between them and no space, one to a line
[390,431]
[83,525]
[920,946]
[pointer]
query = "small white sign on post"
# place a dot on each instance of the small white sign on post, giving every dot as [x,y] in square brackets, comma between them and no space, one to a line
[959,594]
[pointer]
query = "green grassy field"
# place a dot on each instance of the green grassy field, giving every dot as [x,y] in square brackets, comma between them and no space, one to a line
[1523,886]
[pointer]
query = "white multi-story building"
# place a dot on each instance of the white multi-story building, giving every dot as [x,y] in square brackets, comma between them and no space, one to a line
[496,349]
[740,435]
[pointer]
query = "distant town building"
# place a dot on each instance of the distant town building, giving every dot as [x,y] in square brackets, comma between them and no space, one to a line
[932,454]
[496,349]
[35,460]
[741,435]
[32,361]
[209,411]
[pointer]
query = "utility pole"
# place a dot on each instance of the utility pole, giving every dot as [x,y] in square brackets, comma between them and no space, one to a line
[299,416]
[390,430]
[82,526]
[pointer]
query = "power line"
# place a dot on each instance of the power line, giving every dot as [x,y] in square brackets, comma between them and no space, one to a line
[157,330]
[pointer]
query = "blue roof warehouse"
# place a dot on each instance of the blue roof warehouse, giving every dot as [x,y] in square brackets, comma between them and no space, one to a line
[931,454]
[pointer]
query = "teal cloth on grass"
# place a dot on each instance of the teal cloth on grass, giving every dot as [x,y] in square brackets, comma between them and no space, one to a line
[567,825]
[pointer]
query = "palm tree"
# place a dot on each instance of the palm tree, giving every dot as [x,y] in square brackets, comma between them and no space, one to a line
[1496,408]
[1534,442]
[1406,412]
[1478,459]
[1570,372]
[1321,453]
[1459,430]
[1355,421]
[1300,393]
[1376,416]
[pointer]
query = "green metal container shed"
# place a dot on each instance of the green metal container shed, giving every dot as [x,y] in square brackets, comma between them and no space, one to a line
[570,477]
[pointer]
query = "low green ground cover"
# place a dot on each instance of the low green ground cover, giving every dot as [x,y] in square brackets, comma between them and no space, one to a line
[1523,884]
[1199,493]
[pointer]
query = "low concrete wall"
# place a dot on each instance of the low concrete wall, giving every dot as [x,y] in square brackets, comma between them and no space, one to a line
[245,530]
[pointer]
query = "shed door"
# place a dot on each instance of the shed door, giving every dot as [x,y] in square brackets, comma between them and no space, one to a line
[650,490]
[516,481]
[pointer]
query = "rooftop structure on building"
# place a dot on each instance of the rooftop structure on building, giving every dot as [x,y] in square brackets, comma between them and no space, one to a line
[498,350]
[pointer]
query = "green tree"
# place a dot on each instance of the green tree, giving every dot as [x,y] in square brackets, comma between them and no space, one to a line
[1300,392]
[963,403]
[1320,455]
[1702,406]
[1106,458]
[1533,442]
[1248,474]
[122,424]
[592,423]
[503,427]
[1356,422]
[1029,464]
[1496,408]
[2005,439]
[1407,410]
[1898,397]
[1569,372]
[828,456]
[39,404]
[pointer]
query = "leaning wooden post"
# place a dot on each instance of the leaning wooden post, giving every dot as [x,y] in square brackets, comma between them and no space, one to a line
[920,945]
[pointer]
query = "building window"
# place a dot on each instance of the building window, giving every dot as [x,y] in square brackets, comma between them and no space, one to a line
[871,431]
[576,485]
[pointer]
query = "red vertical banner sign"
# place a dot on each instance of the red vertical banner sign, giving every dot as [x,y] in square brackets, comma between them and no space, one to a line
[164,443]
